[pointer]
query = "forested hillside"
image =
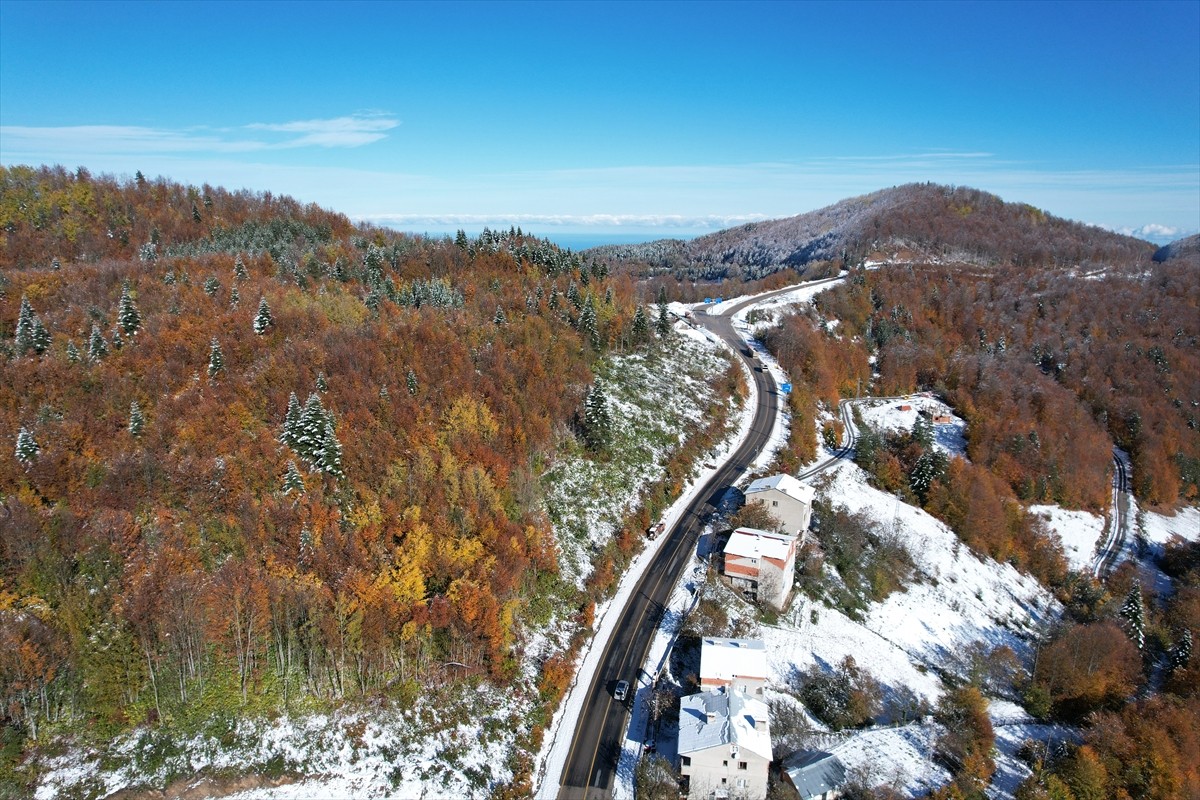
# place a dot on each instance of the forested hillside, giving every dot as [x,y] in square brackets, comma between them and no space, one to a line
[255,451]
[918,222]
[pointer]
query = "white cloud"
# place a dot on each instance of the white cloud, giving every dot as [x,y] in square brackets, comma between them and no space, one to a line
[75,142]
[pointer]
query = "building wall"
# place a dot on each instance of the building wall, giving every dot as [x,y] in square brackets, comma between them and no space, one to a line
[794,514]
[770,579]
[709,767]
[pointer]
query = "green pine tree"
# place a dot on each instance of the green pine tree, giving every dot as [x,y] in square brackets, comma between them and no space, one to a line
[239,269]
[127,314]
[1181,653]
[41,337]
[235,297]
[72,353]
[329,456]
[587,323]
[411,380]
[136,420]
[216,359]
[211,286]
[27,447]
[292,481]
[263,319]
[597,420]
[1133,614]
[641,327]
[664,317]
[118,340]
[322,383]
[499,318]
[291,423]
[24,333]
[97,347]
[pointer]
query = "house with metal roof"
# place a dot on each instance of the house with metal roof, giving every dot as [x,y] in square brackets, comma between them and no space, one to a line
[733,664]
[786,498]
[762,564]
[724,745]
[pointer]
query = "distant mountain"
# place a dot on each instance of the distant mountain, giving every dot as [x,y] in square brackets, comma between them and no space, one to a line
[912,222]
[1187,248]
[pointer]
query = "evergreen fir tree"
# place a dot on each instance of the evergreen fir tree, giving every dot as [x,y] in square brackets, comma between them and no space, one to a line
[411,380]
[597,421]
[311,428]
[118,340]
[263,319]
[55,264]
[930,466]
[664,319]
[1181,654]
[499,319]
[195,213]
[329,456]
[211,286]
[41,337]
[24,332]
[322,383]
[72,353]
[127,314]
[587,323]
[235,297]
[922,432]
[573,295]
[1132,613]
[292,481]
[216,359]
[383,392]
[27,447]
[291,423]
[641,327]
[136,420]
[97,347]
[239,269]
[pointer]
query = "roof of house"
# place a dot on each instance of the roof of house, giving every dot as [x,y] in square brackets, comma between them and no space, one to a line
[723,659]
[734,715]
[793,488]
[755,543]
[814,772]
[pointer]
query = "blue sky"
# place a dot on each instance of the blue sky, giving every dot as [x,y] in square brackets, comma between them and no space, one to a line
[618,118]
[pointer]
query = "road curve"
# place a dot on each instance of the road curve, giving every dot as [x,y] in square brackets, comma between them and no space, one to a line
[596,746]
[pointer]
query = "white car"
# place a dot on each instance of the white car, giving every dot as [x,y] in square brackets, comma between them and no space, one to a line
[621,690]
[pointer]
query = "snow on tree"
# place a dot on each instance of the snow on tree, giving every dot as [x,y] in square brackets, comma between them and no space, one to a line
[664,317]
[127,314]
[72,353]
[499,319]
[136,420]
[211,286]
[329,456]
[97,347]
[263,319]
[641,326]
[24,332]
[322,383]
[239,269]
[1133,615]
[1181,654]
[292,480]
[597,420]
[27,446]
[216,359]
[118,340]
[148,253]
[930,466]
[411,380]
[587,323]
[235,297]
[291,423]
[41,337]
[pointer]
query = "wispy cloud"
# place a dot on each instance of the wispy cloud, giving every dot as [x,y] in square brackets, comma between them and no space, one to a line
[75,141]
[353,131]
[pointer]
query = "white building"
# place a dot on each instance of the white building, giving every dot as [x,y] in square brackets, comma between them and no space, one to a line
[724,745]
[733,664]
[762,564]
[788,500]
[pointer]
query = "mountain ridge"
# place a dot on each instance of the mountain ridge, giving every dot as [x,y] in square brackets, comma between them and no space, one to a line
[908,222]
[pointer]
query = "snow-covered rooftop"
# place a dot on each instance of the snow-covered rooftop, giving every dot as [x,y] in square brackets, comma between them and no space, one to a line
[755,543]
[814,772]
[724,659]
[782,483]
[733,723]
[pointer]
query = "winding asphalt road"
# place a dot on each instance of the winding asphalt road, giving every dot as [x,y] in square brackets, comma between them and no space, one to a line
[596,746]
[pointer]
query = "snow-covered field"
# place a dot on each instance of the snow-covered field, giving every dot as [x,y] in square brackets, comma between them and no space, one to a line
[1079,531]
[949,430]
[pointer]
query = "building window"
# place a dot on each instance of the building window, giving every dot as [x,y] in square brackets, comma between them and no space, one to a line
[742,783]
[743,765]
[685,761]
[774,502]
[724,763]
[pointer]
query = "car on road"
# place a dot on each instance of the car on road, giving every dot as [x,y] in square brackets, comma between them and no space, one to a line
[621,691]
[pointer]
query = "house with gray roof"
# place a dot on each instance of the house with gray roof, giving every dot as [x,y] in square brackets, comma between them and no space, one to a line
[814,774]
[724,745]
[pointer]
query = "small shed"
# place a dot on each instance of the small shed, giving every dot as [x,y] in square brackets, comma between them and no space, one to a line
[815,774]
